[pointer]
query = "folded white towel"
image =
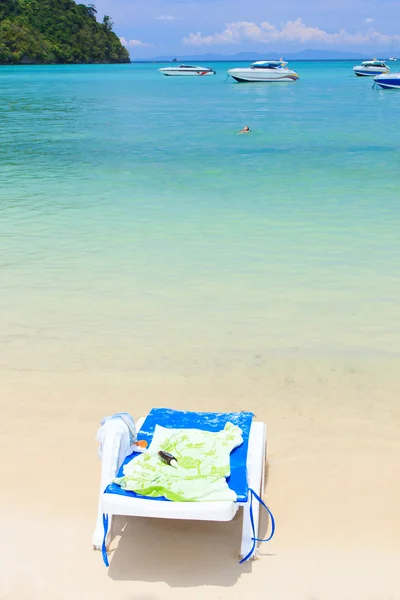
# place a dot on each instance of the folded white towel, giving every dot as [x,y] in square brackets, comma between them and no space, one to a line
[123,426]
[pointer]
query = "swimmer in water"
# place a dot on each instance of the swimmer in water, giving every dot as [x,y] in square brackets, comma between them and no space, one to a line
[246,129]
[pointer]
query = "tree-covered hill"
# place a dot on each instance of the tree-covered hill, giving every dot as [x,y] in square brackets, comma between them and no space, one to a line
[56,31]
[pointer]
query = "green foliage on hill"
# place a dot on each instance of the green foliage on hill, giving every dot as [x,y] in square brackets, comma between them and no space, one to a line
[56,31]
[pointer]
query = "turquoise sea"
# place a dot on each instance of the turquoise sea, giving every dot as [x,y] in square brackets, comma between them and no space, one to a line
[139,231]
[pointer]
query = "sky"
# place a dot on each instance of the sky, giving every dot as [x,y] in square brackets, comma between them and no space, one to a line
[179,27]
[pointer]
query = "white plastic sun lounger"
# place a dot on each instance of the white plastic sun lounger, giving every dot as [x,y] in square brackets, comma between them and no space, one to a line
[249,476]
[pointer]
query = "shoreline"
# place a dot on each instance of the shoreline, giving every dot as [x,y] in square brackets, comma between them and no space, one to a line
[59,64]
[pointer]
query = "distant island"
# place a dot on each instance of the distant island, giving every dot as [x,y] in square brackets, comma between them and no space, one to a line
[56,32]
[252,56]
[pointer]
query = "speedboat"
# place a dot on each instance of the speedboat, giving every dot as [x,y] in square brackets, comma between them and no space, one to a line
[186,70]
[369,68]
[264,70]
[388,80]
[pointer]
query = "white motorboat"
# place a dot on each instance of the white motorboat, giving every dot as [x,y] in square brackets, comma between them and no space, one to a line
[370,68]
[264,70]
[186,70]
[388,80]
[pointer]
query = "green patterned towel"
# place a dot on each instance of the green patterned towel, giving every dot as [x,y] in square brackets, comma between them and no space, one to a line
[203,465]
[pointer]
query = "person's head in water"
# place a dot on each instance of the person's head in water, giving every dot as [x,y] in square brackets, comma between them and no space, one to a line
[246,129]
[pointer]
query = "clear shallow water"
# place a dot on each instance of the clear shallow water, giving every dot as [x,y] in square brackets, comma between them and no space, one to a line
[139,231]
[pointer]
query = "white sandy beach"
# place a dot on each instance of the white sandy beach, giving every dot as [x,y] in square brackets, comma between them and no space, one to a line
[334,458]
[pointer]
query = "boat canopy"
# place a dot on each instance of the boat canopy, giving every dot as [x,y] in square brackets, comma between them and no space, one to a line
[268,64]
[373,63]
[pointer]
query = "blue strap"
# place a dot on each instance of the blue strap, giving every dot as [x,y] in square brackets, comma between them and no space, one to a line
[103,547]
[254,539]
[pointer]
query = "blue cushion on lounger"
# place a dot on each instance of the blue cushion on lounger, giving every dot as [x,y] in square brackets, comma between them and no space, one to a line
[176,419]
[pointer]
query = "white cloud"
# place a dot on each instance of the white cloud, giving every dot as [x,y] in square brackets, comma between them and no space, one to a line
[292,31]
[369,20]
[165,18]
[134,43]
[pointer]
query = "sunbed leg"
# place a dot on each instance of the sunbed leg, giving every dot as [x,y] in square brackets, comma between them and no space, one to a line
[247,531]
[256,466]
[109,465]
